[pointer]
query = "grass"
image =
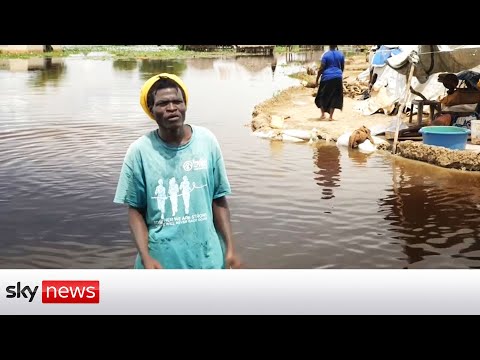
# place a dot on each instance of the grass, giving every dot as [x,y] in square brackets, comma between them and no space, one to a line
[119,52]
[137,52]
[284,49]
[303,76]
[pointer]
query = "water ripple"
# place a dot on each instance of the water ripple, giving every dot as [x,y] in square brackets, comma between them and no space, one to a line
[63,136]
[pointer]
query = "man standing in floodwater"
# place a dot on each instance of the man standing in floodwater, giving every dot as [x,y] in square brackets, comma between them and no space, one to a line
[203,239]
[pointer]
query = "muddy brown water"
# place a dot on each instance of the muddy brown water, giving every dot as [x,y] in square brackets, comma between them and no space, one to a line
[65,125]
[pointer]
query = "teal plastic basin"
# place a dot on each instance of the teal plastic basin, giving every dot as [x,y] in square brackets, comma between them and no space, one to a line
[451,137]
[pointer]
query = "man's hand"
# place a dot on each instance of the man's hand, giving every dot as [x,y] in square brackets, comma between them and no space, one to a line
[150,263]
[232,261]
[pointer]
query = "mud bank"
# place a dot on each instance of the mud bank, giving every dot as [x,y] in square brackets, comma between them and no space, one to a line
[466,160]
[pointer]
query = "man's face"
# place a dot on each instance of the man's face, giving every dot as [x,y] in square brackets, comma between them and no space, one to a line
[169,108]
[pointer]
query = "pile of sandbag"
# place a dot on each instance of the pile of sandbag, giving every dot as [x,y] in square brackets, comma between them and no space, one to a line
[354,88]
[361,139]
[350,89]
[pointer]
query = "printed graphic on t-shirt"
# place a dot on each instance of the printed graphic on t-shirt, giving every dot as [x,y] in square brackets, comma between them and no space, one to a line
[193,165]
[172,195]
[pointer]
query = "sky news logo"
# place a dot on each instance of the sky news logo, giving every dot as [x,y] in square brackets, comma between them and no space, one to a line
[58,292]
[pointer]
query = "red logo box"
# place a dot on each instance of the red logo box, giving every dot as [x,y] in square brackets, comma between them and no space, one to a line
[70,292]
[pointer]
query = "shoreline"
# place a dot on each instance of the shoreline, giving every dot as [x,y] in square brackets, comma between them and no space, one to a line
[293,111]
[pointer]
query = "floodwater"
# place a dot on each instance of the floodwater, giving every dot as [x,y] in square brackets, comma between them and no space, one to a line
[65,125]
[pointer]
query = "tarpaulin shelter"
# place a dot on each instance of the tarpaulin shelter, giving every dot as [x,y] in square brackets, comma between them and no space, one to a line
[391,86]
[433,59]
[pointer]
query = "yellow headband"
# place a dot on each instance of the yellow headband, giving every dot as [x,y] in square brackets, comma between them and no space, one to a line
[149,83]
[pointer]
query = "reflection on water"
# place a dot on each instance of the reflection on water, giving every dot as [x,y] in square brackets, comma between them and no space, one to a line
[273,65]
[47,71]
[125,64]
[200,63]
[434,213]
[304,57]
[51,74]
[254,64]
[293,205]
[358,157]
[277,149]
[327,160]
[151,67]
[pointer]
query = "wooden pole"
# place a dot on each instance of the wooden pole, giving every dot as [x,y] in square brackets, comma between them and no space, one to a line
[402,107]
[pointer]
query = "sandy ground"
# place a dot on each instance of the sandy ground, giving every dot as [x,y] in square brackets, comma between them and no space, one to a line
[296,105]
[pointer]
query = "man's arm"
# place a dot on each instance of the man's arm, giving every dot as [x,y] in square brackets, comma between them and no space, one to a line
[221,218]
[139,230]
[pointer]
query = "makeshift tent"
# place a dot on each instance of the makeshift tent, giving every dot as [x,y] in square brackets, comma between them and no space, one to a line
[433,59]
[390,87]
[383,53]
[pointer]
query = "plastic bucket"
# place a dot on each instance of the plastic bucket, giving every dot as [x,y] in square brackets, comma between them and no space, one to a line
[475,126]
[451,137]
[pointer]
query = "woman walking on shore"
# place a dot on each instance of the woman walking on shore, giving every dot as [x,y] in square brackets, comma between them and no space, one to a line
[330,89]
